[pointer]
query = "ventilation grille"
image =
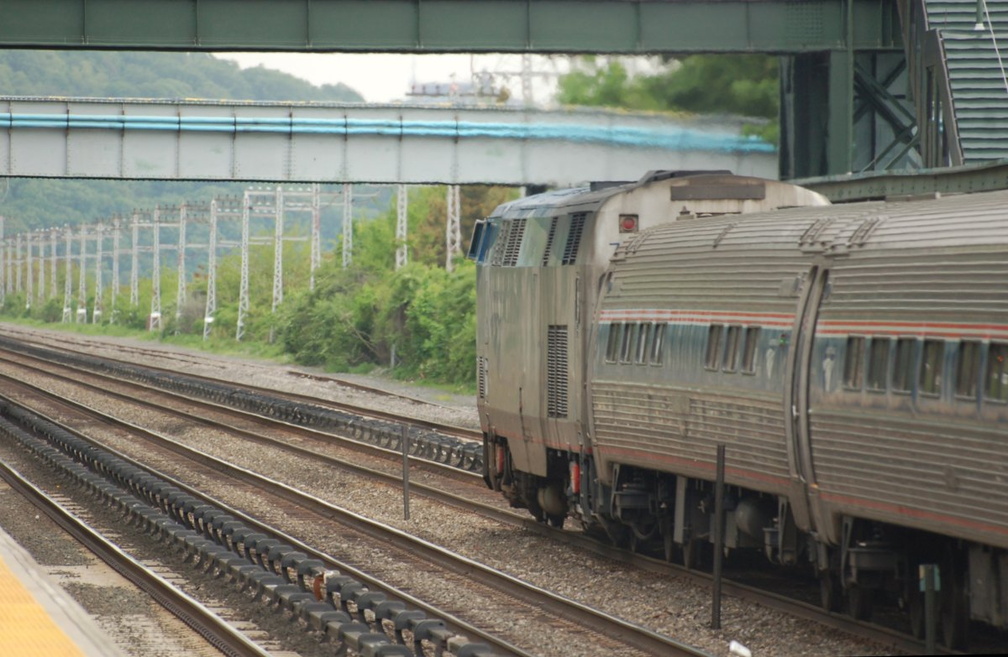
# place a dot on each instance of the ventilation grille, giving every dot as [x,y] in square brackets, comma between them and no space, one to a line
[514,240]
[556,372]
[481,376]
[549,242]
[574,238]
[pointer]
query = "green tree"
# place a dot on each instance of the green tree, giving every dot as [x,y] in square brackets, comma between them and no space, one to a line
[703,84]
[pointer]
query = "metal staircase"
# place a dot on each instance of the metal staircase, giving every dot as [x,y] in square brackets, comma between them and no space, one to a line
[958,52]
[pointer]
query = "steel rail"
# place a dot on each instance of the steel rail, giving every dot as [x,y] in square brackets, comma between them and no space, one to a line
[572,611]
[207,624]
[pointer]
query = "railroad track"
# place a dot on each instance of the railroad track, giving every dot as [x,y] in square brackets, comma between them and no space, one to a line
[426,557]
[199,618]
[796,608]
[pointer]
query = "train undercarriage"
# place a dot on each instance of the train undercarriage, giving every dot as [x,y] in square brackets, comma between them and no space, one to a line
[664,514]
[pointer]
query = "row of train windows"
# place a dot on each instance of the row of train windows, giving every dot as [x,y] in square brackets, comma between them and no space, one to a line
[928,373]
[723,348]
[636,342]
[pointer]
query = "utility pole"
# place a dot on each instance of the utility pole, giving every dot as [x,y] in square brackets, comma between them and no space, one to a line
[316,234]
[180,295]
[29,289]
[53,239]
[134,261]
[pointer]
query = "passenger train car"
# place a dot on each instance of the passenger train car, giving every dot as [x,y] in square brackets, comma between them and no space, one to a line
[850,358]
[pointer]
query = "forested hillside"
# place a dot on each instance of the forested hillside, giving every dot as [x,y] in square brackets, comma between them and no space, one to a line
[34,204]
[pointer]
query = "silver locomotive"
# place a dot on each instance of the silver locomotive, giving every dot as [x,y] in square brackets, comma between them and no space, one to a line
[851,359]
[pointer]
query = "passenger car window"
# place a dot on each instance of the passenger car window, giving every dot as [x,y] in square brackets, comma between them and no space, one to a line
[731,348]
[644,343]
[749,350]
[629,338]
[968,368]
[854,362]
[714,343]
[997,374]
[878,363]
[657,351]
[932,363]
[903,369]
[613,343]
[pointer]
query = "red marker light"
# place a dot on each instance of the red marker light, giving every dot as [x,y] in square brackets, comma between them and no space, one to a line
[628,223]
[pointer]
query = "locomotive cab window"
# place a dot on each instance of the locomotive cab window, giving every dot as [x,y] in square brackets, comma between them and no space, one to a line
[968,368]
[996,388]
[878,363]
[854,362]
[715,338]
[729,364]
[613,342]
[932,362]
[903,370]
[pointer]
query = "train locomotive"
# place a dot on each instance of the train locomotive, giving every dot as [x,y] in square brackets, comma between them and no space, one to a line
[850,358]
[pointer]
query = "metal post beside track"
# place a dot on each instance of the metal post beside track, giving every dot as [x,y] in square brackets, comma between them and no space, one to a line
[719,514]
[404,441]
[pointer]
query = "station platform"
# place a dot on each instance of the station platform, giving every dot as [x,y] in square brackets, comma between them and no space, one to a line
[37,617]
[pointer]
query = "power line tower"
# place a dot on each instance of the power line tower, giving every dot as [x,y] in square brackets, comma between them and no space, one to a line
[82,279]
[211,298]
[154,321]
[30,261]
[453,229]
[402,227]
[116,238]
[96,314]
[243,292]
[347,224]
[67,275]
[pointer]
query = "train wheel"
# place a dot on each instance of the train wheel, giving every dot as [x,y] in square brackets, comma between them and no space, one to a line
[860,602]
[830,597]
[556,521]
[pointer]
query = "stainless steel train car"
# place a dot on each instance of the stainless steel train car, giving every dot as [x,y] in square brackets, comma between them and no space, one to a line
[850,358]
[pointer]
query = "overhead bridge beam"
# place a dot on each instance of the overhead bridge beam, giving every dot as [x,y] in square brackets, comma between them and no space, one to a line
[311,142]
[599,26]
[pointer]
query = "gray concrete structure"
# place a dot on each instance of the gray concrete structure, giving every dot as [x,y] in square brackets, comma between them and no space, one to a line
[311,142]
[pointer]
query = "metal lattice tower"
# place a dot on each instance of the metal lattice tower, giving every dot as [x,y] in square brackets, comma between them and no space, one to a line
[347,224]
[82,280]
[278,226]
[316,234]
[402,226]
[453,230]
[180,296]
[96,314]
[155,313]
[243,292]
[53,239]
[3,263]
[134,262]
[40,290]
[18,263]
[211,294]
[67,276]
[30,264]
[116,235]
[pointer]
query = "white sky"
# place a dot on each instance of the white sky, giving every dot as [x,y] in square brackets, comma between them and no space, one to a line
[384,78]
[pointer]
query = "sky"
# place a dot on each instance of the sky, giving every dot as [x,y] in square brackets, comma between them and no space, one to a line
[383,78]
